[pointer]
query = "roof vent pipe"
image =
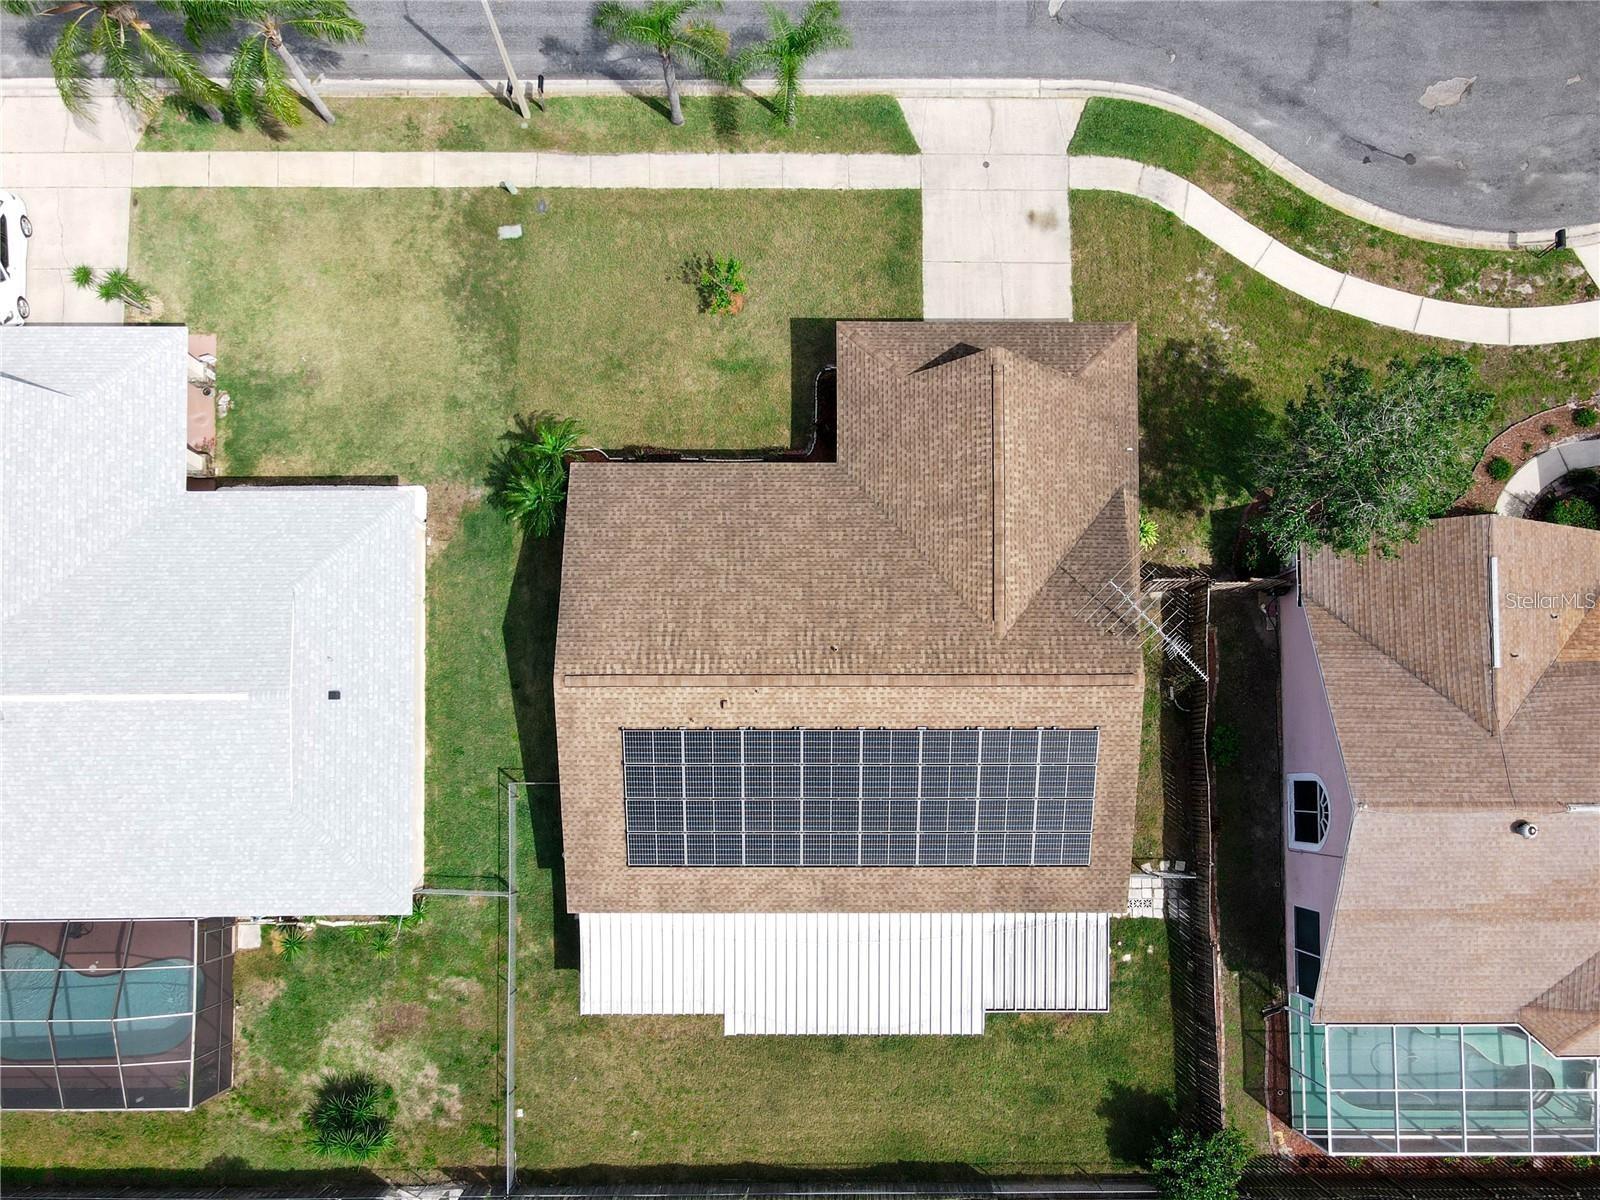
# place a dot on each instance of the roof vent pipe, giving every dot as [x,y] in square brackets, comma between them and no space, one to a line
[1525,829]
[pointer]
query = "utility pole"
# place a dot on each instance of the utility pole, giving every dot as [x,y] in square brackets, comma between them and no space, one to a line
[518,97]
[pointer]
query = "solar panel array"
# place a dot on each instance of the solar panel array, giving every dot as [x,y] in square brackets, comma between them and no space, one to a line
[859,797]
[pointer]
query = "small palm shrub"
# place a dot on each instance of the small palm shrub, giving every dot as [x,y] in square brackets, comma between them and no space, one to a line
[292,942]
[528,474]
[113,286]
[1191,1167]
[1499,468]
[1585,418]
[351,1118]
[721,284]
[1575,511]
[1149,532]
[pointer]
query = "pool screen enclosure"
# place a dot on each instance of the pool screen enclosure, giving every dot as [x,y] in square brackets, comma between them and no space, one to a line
[1477,1090]
[115,1014]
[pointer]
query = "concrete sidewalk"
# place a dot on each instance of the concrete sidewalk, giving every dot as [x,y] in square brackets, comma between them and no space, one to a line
[1333,289]
[995,235]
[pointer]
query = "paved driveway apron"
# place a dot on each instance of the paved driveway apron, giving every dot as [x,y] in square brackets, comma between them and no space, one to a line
[995,237]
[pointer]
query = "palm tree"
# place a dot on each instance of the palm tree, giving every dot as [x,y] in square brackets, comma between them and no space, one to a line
[256,81]
[792,43]
[133,55]
[528,474]
[659,25]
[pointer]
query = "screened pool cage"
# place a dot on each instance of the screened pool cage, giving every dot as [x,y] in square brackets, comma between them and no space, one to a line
[1477,1090]
[115,1014]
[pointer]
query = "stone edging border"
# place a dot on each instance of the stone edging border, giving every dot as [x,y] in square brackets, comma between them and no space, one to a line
[1428,231]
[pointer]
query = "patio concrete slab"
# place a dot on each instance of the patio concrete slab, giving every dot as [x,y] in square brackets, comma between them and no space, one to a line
[966,290]
[170,170]
[315,169]
[619,171]
[391,170]
[242,168]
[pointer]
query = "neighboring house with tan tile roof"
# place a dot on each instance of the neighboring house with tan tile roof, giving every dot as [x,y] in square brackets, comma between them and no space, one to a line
[839,751]
[1442,863]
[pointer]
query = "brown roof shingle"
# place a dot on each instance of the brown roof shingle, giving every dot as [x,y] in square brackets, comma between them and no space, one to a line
[986,480]
[1444,913]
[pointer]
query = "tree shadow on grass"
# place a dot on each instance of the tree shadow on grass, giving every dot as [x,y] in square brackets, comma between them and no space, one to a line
[1204,428]
[530,637]
[1137,1122]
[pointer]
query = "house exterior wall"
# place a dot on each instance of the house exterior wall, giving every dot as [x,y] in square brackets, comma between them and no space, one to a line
[1310,747]
[591,713]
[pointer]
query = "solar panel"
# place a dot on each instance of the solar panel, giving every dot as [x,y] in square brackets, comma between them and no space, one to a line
[859,797]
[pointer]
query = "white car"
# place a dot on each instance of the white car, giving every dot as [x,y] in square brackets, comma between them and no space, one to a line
[15,230]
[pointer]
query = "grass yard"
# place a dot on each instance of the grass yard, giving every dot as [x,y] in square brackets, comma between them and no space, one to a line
[1127,129]
[1221,349]
[570,124]
[390,333]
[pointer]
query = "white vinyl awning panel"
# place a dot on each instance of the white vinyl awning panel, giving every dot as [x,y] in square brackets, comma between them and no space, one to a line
[844,973]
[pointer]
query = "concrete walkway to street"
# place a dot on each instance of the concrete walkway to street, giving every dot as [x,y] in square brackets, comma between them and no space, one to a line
[996,241]
[1323,285]
[994,175]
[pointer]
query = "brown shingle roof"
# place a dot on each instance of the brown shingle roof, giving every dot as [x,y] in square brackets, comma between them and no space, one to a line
[934,575]
[1443,912]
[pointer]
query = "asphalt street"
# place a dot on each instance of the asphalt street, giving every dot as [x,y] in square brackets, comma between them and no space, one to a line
[1338,88]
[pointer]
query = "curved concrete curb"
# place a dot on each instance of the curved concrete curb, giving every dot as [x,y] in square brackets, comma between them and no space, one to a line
[1429,231]
[1322,285]
[1543,469]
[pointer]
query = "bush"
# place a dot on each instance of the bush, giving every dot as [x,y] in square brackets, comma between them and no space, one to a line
[528,474]
[291,941]
[1190,1167]
[1149,532]
[113,286]
[351,1118]
[1584,418]
[720,283]
[1499,468]
[1576,512]
[1224,745]
[1549,430]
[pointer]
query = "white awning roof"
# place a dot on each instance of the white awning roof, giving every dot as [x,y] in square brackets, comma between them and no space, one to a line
[844,973]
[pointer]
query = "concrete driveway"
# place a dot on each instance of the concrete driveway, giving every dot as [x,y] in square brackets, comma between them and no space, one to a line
[995,234]
[75,176]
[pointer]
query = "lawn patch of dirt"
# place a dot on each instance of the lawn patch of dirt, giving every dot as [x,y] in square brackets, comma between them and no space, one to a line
[447,500]
[357,1044]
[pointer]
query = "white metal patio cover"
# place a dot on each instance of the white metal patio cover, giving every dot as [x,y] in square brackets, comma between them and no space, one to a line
[210,702]
[844,973]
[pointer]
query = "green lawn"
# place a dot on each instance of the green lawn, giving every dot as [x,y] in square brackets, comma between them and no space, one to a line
[1126,129]
[1221,349]
[390,332]
[570,124]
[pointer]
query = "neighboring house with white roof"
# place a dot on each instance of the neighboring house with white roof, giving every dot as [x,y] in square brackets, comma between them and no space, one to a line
[211,702]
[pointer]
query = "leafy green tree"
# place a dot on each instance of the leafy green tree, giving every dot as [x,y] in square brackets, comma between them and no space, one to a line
[528,473]
[1191,1167]
[791,44]
[660,25]
[257,85]
[132,55]
[1365,463]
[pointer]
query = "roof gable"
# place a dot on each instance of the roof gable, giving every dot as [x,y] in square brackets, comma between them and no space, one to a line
[989,446]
